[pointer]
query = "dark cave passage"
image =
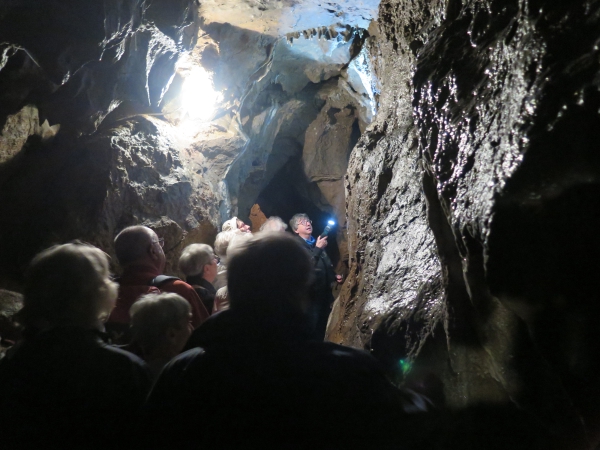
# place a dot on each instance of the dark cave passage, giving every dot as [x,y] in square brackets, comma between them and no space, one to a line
[288,194]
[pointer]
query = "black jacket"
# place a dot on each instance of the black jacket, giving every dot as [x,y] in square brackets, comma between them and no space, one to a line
[260,383]
[324,272]
[65,388]
[205,290]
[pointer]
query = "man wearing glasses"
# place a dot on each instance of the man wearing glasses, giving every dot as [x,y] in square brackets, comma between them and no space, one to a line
[141,256]
[325,276]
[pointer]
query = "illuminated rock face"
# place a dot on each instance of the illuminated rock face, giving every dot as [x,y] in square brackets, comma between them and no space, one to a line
[472,221]
[75,80]
[96,135]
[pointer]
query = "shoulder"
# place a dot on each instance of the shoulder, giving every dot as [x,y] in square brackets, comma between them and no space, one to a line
[177,369]
[345,355]
[179,287]
[123,356]
[123,359]
[183,360]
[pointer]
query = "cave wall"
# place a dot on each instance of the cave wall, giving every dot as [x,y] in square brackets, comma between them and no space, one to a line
[85,150]
[471,204]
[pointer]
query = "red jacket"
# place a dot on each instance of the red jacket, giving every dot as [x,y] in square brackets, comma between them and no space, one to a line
[135,282]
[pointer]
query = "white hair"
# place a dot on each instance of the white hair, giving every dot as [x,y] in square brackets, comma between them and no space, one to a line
[274,223]
[230,224]
[194,257]
[68,284]
[152,316]
[223,239]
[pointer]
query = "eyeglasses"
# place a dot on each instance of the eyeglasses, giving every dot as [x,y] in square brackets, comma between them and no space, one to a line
[161,242]
[305,222]
[217,259]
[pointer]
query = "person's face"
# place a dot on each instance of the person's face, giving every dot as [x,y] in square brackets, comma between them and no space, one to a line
[211,270]
[304,228]
[156,251]
[243,227]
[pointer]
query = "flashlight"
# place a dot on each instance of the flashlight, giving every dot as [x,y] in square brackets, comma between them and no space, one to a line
[325,232]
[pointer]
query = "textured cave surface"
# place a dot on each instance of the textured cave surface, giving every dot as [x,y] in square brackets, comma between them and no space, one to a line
[95,137]
[464,174]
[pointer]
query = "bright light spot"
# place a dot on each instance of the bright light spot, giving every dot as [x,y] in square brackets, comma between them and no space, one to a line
[331,222]
[405,366]
[198,96]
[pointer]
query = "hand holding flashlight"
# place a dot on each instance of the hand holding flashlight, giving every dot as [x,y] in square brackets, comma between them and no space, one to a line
[321,242]
[330,223]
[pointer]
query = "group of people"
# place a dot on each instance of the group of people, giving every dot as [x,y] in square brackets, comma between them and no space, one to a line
[101,362]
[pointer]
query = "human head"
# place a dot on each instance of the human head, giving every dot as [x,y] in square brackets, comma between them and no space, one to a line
[161,321]
[235,224]
[273,223]
[68,285]
[269,273]
[301,225]
[140,245]
[199,259]
[222,242]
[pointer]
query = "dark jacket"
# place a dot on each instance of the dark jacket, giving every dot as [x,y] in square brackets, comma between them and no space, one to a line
[320,290]
[260,383]
[65,388]
[205,290]
[324,272]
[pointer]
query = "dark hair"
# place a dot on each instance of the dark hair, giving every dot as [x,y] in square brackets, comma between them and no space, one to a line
[268,272]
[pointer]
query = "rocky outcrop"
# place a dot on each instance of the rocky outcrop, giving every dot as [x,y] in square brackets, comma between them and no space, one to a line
[96,136]
[469,241]
[83,152]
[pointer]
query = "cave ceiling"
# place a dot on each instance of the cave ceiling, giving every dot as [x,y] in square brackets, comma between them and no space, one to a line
[277,18]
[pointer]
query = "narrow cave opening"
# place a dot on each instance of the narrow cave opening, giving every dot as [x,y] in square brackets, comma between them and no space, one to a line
[290,192]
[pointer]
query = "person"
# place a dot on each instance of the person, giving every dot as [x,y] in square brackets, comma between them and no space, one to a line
[235,224]
[274,223]
[257,380]
[325,275]
[199,264]
[62,385]
[161,325]
[222,241]
[140,254]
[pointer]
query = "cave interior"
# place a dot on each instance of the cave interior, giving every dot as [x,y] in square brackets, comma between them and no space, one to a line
[452,141]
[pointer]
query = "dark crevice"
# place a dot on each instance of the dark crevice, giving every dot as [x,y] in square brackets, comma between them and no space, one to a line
[290,192]
[460,310]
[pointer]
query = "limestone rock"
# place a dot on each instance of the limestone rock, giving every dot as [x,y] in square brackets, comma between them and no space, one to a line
[462,213]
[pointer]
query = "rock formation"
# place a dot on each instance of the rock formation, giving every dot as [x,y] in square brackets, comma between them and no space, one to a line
[471,204]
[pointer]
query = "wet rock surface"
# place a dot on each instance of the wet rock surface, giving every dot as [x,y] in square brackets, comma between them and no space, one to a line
[470,248]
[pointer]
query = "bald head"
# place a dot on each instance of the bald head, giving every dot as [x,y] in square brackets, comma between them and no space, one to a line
[139,244]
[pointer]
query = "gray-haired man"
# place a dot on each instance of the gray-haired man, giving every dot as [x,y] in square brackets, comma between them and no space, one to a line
[325,275]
